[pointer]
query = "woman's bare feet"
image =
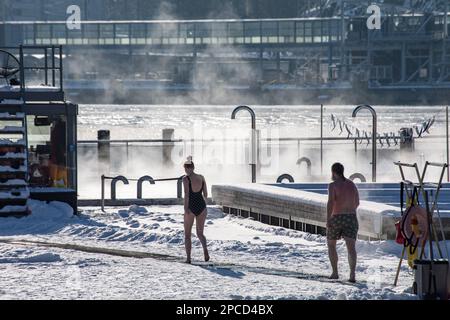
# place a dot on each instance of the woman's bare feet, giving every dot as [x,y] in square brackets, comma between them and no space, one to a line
[352,278]
[334,276]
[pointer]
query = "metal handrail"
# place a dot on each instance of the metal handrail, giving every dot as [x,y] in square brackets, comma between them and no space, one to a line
[237,139]
[53,67]
[254,141]
[374,135]
[116,179]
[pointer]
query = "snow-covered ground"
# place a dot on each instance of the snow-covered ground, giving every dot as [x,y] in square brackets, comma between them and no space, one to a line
[247,255]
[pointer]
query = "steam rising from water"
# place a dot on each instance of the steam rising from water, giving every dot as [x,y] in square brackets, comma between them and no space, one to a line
[213,158]
[204,122]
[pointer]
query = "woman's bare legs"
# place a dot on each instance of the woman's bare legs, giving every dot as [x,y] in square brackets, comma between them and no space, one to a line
[188,223]
[200,226]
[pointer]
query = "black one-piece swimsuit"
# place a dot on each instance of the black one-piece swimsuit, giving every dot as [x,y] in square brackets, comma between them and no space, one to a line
[197,203]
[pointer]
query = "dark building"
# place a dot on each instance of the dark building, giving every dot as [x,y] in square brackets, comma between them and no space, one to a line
[287,48]
[151,9]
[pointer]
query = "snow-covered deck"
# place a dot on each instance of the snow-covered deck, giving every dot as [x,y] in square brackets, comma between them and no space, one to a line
[249,260]
[32,93]
[376,220]
[39,88]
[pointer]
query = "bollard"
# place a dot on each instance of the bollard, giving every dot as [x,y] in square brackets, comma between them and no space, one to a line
[167,149]
[180,187]
[104,150]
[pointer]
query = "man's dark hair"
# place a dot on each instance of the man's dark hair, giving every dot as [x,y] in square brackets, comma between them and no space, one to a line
[338,168]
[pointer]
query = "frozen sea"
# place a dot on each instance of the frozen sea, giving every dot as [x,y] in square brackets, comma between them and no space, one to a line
[147,121]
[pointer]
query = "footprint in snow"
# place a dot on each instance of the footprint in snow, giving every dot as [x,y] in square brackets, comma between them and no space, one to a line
[123,213]
[133,224]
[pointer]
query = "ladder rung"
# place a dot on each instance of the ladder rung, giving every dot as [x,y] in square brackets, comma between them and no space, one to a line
[9,143]
[11,169]
[13,209]
[12,156]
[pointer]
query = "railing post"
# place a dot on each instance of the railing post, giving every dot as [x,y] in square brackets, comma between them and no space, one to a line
[104,149]
[22,73]
[61,82]
[53,67]
[46,66]
[103,192]
[180,187]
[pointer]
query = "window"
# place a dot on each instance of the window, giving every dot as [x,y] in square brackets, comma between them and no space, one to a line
[122,34]
[43,34]
[335,30]
[91,32]
[300,32]
[203,33]
[219,32]
[317,29]
[187,33]
[138,33]
[169,33]
[29,34]
[154,33]
[308,32]
[252,32]
[59,34]
[269,32]
[47,143]
[75,36]
[286,31]
[106,34]
[236,32]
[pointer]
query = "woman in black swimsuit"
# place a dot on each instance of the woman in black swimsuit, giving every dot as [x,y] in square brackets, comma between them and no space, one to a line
[195,193]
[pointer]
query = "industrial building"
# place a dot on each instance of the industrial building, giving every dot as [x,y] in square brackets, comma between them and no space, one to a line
[321,50]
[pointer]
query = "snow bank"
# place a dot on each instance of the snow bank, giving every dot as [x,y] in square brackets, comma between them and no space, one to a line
[44,218]
[47,257]
[234,241]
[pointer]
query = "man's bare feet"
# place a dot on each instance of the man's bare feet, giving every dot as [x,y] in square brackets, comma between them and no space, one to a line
[188,261]
[206,256]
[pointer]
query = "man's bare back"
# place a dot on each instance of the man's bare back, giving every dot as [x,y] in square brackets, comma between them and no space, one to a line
[345,197]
